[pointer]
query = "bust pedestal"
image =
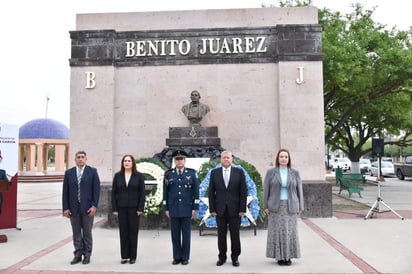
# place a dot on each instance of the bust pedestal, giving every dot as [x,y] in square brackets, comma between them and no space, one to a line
[193,136]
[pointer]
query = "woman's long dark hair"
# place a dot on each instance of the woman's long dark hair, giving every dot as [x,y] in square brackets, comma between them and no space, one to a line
[277,157]
[134,170]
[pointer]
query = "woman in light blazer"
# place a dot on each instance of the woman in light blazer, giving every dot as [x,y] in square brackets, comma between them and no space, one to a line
[283,202]
[128,199]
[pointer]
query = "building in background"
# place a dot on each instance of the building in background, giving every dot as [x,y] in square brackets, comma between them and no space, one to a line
[37,138]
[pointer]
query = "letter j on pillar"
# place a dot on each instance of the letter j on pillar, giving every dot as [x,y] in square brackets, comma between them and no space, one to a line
[299,80]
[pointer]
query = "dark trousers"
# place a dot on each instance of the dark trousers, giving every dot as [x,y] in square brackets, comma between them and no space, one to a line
[129,230]
[223,222]
[181,233]
[82,226]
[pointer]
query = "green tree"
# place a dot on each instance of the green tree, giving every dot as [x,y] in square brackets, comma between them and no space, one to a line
[290,3]
[367,81]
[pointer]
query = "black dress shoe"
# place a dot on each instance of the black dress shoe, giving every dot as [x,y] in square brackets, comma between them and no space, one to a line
[220,262]
[86,260]
[281,262]
[185,262]
[235,263]
[288,262]
[76,260]
[123,261]
[132,261]
[175,262]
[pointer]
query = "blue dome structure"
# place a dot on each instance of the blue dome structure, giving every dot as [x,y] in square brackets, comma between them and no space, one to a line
[35,139]
[44,129]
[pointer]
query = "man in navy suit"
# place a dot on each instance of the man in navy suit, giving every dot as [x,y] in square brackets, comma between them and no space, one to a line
[81,191]
[227,202]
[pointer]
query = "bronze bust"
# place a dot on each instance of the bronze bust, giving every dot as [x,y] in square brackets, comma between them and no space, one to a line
[195,110]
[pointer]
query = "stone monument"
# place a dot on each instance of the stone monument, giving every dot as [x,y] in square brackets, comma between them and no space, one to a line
[260,69]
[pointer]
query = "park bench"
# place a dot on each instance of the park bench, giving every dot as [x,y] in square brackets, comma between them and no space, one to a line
[352,182]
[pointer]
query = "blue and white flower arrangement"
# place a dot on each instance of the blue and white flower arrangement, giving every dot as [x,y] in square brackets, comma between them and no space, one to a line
[252,209]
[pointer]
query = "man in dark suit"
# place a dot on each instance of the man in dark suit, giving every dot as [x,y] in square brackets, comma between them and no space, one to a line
[227,202]
[81,191]
[180,201]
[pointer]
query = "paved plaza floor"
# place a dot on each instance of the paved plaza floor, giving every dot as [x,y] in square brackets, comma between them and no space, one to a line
[344,243]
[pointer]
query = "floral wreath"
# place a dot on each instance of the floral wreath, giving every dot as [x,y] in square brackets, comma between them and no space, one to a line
[252,208]
[154,199]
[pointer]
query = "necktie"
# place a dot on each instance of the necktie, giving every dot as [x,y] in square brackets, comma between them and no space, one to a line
[226,177]
[79,178]
[179,172]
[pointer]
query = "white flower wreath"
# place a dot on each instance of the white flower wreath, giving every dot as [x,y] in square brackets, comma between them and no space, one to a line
[153,200]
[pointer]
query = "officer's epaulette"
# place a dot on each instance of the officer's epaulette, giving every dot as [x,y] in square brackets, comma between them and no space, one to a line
[168,171]
[189,169]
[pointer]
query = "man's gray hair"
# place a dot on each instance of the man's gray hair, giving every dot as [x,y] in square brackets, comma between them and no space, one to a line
[226,152]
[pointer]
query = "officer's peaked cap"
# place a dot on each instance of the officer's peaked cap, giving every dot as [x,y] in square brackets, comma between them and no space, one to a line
[179,153]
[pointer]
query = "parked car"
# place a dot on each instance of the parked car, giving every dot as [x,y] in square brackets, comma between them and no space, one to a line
[343,163]
[364,165]
[387,159]
[404,169]
[387,169]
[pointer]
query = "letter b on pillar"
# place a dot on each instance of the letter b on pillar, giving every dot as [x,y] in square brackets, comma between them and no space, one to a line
[90,80]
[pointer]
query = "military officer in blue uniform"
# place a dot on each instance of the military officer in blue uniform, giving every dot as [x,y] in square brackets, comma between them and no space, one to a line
[180,202]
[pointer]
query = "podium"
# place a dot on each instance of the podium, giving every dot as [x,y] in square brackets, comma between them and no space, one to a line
[8,217]
[4,185]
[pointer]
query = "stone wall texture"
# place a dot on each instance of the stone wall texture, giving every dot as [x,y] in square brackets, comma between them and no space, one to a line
[255,102]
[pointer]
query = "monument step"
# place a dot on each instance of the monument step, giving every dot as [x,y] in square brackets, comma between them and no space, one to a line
[199,141]
[40,178]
